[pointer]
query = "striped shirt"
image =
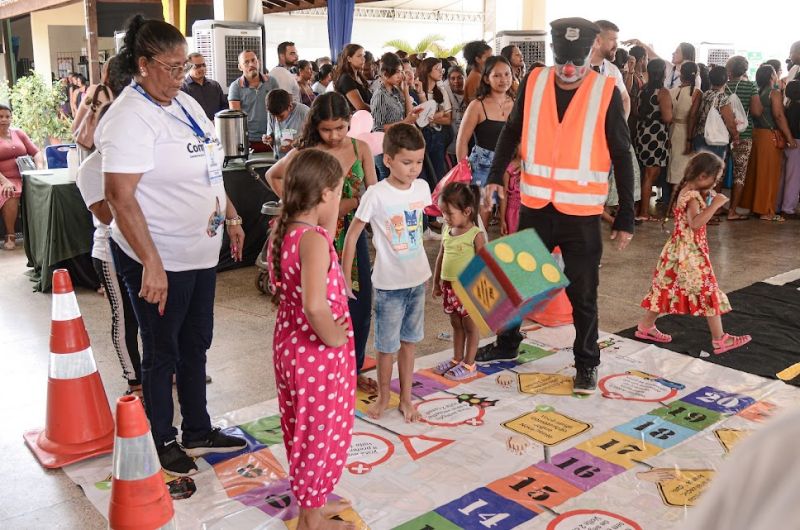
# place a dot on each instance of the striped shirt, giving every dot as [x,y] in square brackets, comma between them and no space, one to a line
[387,107]
[744,90]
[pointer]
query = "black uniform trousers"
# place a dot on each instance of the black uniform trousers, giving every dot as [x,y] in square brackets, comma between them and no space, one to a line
[581,244]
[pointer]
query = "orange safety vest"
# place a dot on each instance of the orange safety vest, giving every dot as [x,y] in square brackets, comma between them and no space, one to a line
[566,163]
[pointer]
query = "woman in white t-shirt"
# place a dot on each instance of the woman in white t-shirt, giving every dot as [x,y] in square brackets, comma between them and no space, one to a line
[162,168]
[437,131]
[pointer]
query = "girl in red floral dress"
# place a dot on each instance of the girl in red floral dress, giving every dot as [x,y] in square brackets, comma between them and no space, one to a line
[684,281]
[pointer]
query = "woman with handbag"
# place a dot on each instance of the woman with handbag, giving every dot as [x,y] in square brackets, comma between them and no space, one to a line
[484,119]
[13,144]
[770,133]
[704,119]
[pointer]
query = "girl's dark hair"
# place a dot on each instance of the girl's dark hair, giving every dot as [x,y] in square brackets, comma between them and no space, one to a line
[689,73]
[507,51]
[308,176]
[738,65]
[484,88]
[656,72]
[147,38]
[621,58]
[328,106]
[423,71]
[474,49]
[114,78]
[687,51]
[776,64]
[461,196]
[343,66]
[703,163]
[764,76]
[718,76]
[390,64]
[302,63]
[324,71]
[639,52]
[705,81]
[793,90]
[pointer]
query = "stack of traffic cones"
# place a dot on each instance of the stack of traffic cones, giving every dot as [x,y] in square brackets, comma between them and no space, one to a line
[79,423]
[559,311]
[140,498]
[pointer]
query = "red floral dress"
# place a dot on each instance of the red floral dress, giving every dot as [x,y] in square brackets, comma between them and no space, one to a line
[684,281]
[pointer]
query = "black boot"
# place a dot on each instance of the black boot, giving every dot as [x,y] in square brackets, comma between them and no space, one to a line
[504,348]
[585,381]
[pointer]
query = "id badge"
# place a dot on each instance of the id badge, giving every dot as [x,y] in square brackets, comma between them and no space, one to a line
[213,165]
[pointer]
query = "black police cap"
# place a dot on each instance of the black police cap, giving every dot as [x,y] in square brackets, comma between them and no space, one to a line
[573,37]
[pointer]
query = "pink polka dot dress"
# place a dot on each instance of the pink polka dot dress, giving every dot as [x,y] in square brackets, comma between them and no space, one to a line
[316,383]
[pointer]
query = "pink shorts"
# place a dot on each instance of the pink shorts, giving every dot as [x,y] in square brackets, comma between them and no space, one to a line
[450,301]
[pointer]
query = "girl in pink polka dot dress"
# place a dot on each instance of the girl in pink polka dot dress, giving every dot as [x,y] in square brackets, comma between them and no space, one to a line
[313,349]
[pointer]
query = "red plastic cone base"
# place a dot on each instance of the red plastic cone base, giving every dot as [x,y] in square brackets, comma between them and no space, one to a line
[79,423]
[143,504]
[557,313]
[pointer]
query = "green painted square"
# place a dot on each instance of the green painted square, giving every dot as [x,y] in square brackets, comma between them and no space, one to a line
[428,521]
[529,352]
[266,430]
[687,415]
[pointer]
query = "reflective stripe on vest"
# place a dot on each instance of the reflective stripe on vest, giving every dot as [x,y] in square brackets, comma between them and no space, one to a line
[580,188]
[72,365]
[135,458]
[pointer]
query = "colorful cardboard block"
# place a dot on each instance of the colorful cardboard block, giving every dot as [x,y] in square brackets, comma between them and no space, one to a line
[507,279]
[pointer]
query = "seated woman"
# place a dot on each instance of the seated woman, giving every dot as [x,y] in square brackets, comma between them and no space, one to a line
[13,144]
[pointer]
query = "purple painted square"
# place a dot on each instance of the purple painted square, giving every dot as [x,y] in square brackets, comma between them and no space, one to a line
[718,400]
[253,445]
[580,469]
[421,386]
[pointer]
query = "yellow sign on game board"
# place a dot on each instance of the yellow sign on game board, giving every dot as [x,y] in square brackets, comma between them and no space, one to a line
[618,448]
[686,488]
[730,437]
[365,399]
[547,427]
[552,384]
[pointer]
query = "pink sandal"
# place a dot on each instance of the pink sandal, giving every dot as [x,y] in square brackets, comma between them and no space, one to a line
[652,334]
[721,345]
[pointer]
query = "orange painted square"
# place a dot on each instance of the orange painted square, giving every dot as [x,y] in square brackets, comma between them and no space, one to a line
[541,486]
[248,471]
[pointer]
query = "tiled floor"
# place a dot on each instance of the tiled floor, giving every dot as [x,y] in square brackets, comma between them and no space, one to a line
[240,358]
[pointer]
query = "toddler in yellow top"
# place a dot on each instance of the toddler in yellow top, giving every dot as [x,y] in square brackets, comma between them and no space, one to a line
[461,239]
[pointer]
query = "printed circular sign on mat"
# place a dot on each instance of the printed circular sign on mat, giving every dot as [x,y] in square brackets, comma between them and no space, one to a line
[450,412]
[591,520]
[367,450]
[632,387]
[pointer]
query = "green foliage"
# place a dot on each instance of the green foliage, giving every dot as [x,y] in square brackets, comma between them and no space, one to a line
[429,44]
[36,109]
[442,53]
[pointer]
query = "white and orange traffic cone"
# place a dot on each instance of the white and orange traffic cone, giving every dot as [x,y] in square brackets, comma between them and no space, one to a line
[558,312]
[140,498]
[79,423]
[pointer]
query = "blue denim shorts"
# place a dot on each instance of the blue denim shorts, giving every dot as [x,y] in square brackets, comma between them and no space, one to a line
[480,161]
[399,316]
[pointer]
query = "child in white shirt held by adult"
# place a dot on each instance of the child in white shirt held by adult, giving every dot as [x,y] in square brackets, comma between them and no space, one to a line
[394,208]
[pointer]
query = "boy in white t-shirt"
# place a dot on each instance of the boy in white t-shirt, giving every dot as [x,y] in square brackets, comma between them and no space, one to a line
[394,208]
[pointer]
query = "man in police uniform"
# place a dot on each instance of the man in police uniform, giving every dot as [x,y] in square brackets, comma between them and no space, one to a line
[570,124]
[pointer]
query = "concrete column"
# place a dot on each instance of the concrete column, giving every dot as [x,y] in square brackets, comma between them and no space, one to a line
[231,10]
[69,15]
[534,15]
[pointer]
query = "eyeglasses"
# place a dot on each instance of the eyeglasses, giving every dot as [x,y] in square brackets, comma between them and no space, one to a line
[176,71]
[198,66]
[574,60]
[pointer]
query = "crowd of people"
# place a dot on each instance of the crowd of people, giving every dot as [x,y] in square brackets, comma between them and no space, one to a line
[623,122]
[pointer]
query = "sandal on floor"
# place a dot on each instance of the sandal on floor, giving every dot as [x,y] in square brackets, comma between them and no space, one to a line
[652,334]
[10,243]
[462,372]
[739,218]
[729,342]
[773,218]
[444,366]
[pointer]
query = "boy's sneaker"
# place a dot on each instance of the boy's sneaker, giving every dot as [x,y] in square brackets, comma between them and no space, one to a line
[585,381]
[175,461]
[462,372]
[492,352]
[215,441]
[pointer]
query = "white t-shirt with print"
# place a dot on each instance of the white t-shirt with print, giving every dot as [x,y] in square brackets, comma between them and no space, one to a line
[90,184]
[184,212]
[396,219]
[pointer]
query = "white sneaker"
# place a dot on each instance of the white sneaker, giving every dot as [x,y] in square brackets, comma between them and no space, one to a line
[430,235]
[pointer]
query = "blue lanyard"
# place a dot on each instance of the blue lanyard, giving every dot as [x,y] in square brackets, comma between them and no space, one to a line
[196,129]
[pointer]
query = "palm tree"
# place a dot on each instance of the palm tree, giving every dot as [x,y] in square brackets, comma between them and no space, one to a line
[425,45]
[443,53]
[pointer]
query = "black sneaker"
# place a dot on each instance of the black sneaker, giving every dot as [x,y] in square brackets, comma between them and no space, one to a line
[492,352]
[175,461]
[585,381]
[215,441]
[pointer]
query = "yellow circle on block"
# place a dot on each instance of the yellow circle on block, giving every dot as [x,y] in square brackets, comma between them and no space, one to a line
[504,252]
[550,273]
[526,262]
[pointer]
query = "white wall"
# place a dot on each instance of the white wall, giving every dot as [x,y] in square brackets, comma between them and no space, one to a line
[70,15]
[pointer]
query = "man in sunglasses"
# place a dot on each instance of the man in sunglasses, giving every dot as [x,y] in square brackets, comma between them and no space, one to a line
[571,125]
[206,91]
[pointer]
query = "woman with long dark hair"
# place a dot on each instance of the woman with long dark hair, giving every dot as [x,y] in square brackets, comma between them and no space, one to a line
[655,115]
[349,79]
[437,132]
[305,73]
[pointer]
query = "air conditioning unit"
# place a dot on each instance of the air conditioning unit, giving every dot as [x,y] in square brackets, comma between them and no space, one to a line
[532,44]
[715,53]
[221,42]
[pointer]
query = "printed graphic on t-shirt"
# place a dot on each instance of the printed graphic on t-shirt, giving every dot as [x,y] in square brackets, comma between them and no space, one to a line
[404,229]
[215,220]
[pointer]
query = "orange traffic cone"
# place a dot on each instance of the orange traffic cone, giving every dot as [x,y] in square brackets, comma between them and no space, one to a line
[79,423]
[558,312]
[140,498]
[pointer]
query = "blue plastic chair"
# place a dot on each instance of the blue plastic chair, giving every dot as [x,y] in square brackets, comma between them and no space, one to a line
[56,155]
